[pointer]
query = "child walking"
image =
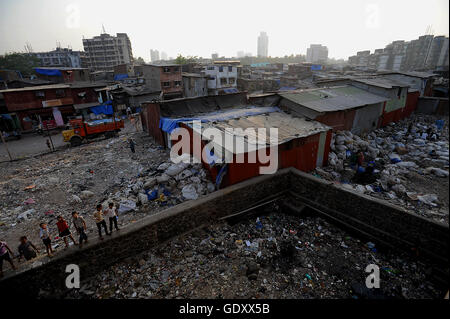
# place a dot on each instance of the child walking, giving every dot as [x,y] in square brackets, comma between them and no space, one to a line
[80,226]
[27,249]
[45,236]
[100,221]
[64,230]
[111,214]
[4,255]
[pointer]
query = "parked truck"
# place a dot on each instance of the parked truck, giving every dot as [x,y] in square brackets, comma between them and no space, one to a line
[82,130]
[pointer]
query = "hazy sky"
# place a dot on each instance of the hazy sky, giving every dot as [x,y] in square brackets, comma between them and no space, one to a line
[201,27]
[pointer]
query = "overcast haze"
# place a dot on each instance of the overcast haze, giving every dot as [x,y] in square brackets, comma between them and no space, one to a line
[203,27]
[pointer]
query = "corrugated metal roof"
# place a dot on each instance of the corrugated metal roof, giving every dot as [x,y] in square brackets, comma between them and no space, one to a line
[333,99]
[36,88]
[289,128]
[381,82]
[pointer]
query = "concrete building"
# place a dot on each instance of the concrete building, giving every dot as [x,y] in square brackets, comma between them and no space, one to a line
[163,56]
[214,56]
[104,52]
[438,55]
[221,77]
[62,74]
[317,53]
[263,45]
[165,78]
[60,57]
[154,55]
[194,84]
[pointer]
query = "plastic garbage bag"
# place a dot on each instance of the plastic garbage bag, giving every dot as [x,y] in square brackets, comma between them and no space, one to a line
[126,206]
[189,192]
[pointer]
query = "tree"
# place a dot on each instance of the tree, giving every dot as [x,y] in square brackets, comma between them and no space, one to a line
[23,62]
[185,60]
[140,61]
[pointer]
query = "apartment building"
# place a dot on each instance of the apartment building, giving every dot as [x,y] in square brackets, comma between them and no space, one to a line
[104,52]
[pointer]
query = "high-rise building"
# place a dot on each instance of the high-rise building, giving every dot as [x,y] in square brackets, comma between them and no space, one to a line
[215,56]
[163,56]
[103,52]
[263,45]
[60,57]
[438,53]
[154,55]
[317,53]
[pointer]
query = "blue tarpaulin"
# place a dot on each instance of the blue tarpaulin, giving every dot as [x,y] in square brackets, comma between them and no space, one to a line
[169,124]
[105,108]
[120,77]
[316,67]
[6,116]
[51,72]
[230,90]
[287,88]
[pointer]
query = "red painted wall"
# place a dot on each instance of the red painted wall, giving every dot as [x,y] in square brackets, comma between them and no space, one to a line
[26,100]
[341,120]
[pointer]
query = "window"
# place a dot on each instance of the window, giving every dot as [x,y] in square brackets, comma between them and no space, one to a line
[40,94]
[175,69]
[211,68]
[177,83]
[230,68]
[166,69]
[223,81]
[231,80]
[60,93]
[220,68]
[399,92]
[166,84]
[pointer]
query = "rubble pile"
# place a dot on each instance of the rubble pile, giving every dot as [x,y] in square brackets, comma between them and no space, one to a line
[272,256]
[410,169]
[77,179]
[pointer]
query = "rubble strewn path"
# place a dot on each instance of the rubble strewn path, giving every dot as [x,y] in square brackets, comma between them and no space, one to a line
[410,170]
[273,256]
[39,189]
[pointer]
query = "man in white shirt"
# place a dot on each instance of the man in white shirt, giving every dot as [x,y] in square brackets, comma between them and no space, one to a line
[111,214]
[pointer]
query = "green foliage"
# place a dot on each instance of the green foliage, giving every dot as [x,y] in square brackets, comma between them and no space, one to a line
[139,60]
[185,60]
[23,62]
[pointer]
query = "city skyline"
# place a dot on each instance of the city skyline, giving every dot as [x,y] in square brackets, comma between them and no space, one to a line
[370,25]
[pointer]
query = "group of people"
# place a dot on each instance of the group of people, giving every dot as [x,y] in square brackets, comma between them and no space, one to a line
[29,251]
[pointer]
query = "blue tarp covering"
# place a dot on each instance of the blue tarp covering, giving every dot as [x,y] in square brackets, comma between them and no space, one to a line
[101,121]
[230,90]
[105,108]
[119,77]
[6,116]
[287,88]
[50,72]
[169,124]
[316,67]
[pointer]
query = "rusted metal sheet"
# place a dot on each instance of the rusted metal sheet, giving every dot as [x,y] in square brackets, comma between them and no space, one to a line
[342,120]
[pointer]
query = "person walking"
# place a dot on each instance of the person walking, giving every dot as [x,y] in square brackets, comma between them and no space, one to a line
[111,215]
[64,231]
[5,255]
[80,226]
[100,221]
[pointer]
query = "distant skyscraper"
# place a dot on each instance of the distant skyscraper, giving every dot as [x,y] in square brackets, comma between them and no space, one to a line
[317,53]
[263,45]
[163,55]
[154,55]
[215,56]
[240,54]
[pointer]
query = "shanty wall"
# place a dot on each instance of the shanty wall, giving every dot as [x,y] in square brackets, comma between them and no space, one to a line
[400,113]
[151,115]
[366,118]
[433,105]
[339,120]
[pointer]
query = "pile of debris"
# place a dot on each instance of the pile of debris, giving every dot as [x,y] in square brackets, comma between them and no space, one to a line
[77,179]
[400,163]
[272,256]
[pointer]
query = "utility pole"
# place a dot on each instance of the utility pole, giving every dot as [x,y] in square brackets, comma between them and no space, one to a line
[6,146]
[50,136]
